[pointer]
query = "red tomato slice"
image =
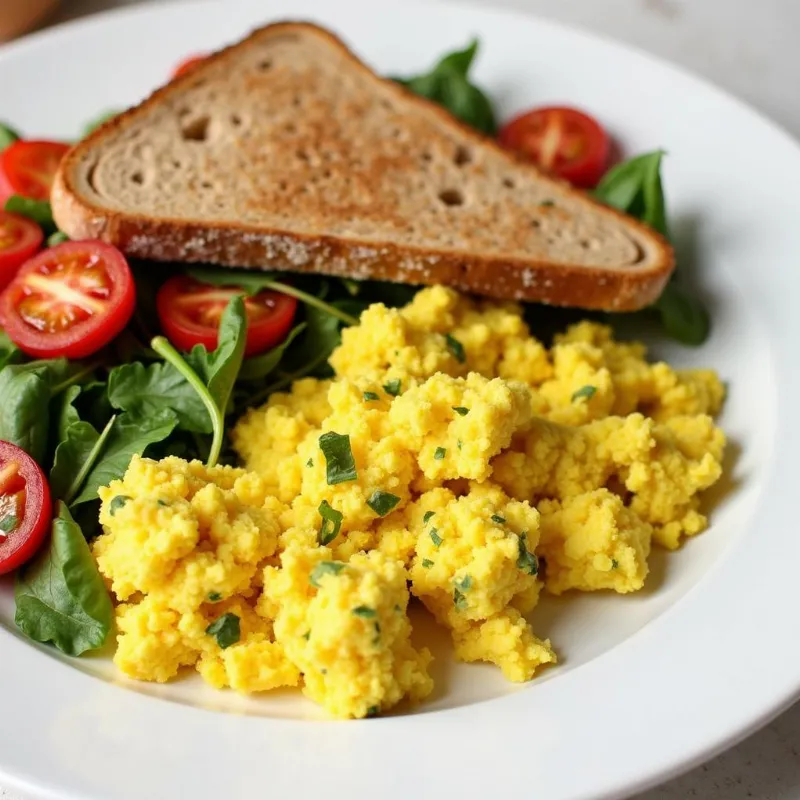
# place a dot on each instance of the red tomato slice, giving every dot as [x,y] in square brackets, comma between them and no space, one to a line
[28,168]
[69,300]
[563,141]
[190,313]
[25,507]
[187,65]
[19,240]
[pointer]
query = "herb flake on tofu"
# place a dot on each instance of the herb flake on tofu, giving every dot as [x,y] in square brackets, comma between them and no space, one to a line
[339,462]
[226,630]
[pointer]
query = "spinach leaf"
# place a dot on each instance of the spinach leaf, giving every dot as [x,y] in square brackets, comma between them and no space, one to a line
[130,436]
[7,136]
[73,451]
[59,237]
[635,187]
[39,211]
[98,121]
[258,367]
[66,413]
[447,84]
[26,390]
[9,352]
[60,596]
[145,390]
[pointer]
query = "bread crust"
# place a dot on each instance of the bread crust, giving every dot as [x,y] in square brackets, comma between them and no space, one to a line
[257,247]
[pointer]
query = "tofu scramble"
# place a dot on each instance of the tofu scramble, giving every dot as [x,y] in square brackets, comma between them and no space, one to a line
[453,459]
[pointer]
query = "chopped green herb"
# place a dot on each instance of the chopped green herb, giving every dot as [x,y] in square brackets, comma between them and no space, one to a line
[373,711]
[498,519]
[427,517]
[459,600]
[440,453]
[397,608]
[465,584]
[526,561]
[458,444]
[435,538]
[307,635]
[377,638]
[461,411]
[331,523]
[325,568]
[427,563]
[547,204]
[382,502]
[370,396]
[8,523]
[456,348]
[226,630]
[39,211]
[340,465]
[614,563]
[392,387]
[365,611]
[585,391]
[117,503]
[310,462]
[163,503]
[214,597]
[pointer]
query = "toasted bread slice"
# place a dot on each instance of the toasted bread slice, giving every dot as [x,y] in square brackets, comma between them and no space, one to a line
[285,152]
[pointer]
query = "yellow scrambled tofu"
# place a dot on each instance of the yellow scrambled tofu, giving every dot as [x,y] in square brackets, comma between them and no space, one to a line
[452,459]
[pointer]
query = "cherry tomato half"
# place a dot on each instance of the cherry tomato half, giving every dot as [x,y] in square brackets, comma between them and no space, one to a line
[28,168]
[19,240]
[187,65]
[563,141]
[69,300]
[190,313]
[25,507]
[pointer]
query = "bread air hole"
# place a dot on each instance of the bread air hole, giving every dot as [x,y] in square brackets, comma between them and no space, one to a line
[265,64]
[236,120]
[426,156]
[137,178]
[451,197]
[509,183]
[463,155]
[197,130]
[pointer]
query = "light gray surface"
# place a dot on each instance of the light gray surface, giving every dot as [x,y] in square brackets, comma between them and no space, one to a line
[748,47]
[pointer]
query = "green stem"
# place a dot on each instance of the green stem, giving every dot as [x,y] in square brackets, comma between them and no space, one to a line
[173,357]
[91,460]
[309,299]
[71,381]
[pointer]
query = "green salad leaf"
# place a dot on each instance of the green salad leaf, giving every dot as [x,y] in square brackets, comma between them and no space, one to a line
[448,85]
[7,136]
[39,211]
[259,367]
[60,595]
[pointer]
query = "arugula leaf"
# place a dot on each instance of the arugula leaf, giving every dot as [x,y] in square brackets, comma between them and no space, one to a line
[39,211]
[130,436]
[258,367]
[26,390]
[447,84]
[98,121]
[145,390]
[7,136]
[60,596]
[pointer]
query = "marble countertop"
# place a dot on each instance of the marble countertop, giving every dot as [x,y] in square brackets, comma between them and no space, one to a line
[748,47]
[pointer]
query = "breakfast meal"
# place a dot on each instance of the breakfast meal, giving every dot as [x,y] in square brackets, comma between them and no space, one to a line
[289,347]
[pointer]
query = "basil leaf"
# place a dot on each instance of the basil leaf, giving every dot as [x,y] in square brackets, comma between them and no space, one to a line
[448,85]
[60,596]
[683,316]
[7,136]
[587,392]
[258,367]
[39,211]
[130,436]
[226,630]
[382,502]
[219,368]
[325,568]
[26,391]
[146,390]
[340,466]
[98,121]
[331,523]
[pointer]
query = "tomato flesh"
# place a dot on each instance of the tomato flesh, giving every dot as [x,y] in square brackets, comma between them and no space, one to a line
[28,168]
[190,313]
[25,507]
[19,240]
[187,65]
[69,300]
[563,141]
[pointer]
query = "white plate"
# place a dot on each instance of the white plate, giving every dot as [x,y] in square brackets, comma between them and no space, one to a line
[649,684]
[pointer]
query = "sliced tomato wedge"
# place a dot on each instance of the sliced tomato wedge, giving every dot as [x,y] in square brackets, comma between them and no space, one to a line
[187,65]
[26,509]
[28,168]
[19,240]
[563,141]
[69,300]
[190,313]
